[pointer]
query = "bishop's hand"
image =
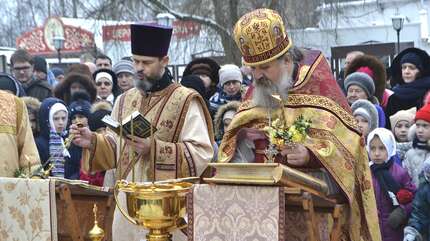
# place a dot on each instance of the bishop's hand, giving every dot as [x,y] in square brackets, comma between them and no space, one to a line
[296,154]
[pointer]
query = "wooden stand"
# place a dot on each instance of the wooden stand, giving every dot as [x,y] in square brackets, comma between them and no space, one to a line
[74,211]
[299,200]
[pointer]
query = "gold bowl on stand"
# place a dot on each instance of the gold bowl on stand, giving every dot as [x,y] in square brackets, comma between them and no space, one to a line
[159,207]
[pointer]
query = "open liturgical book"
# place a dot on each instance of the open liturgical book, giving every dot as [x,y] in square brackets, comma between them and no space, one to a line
[141,126]
[265,174]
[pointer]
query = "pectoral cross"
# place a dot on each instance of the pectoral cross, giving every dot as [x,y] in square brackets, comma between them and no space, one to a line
[270,151]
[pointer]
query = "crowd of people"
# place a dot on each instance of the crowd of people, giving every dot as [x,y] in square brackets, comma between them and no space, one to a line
[391,108]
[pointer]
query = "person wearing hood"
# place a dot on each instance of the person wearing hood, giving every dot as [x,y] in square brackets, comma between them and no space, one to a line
[10,84]
[223,118]
[410,81]
[17,147]
[53,117]
[366,115]
[106,84]
[79,113]
[392,185]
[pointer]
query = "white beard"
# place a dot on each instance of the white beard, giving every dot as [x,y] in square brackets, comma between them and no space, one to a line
[265,88]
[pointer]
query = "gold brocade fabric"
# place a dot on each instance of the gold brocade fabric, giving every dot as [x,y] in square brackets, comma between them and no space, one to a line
[333,139]
[27,209]
[170,158]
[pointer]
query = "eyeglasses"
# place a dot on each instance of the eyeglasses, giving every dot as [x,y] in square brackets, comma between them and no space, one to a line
[22,68]
[105,83]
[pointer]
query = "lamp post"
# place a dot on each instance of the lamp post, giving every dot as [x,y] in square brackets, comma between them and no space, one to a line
[58,44]
[165,19]
[397,22]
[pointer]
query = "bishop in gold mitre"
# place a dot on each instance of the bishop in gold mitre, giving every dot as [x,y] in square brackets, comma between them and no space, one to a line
[183,142]
[333,145]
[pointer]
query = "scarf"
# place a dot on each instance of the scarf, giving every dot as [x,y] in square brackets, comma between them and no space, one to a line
[414,90]
[385,179]
[420,144]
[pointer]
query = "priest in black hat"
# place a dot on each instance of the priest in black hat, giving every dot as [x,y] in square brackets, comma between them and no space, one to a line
[183,142]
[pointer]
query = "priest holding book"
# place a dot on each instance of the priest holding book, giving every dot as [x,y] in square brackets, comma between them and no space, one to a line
[180,146]
[299,117]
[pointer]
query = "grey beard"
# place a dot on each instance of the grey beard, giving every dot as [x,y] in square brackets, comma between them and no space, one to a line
[144,84]
[265,88]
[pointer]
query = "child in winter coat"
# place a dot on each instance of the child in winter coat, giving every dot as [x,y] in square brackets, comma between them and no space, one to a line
[420,152]
[392,185]
[419,222]
[366,115]
[53,117]
[400,125]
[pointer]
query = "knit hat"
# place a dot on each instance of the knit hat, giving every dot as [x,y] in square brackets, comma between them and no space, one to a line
[363,80]
[414,59]
[423,113]
[98,111]
[40,64]
[229,114]
[57,71]
[80,104]
[123,66]
[386,137]
[367,110]
[229,72]
[403,115]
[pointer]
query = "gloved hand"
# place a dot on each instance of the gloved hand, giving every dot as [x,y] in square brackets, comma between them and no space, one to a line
[409,237]
[411,234]
[397,218]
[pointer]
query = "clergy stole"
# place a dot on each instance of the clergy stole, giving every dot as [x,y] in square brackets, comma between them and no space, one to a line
[166,110]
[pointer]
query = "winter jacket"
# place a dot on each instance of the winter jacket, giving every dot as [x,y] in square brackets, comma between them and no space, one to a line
[220,98]
[420,215]
[402,148]
[218,120]
[414,159]
[42,141]
[385,206]
[39,89]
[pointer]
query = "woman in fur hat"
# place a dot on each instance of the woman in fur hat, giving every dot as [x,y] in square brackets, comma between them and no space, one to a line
[410,80]
[207,69]
[73,82]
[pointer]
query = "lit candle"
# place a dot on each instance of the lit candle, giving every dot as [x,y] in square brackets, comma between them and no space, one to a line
[121,151]
[132,151]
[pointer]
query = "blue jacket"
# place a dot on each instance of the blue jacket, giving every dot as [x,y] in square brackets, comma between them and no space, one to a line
[420,216]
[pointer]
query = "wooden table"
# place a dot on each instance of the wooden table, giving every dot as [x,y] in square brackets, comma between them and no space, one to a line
[75,211]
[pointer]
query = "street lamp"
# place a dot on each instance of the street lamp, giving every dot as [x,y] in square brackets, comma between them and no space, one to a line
[397,21]
[165,19]
[58,44]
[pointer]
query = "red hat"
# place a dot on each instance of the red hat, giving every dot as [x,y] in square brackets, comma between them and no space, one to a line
[366,70]
[423,113]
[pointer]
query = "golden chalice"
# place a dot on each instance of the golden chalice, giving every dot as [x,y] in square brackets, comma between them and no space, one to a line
[159,207]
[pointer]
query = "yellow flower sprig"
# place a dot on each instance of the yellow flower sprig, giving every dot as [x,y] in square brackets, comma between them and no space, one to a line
[280,134]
